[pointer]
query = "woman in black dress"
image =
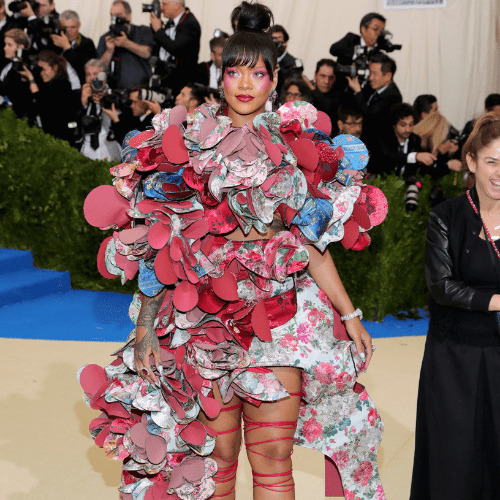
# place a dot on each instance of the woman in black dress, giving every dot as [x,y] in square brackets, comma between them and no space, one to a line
[457,442]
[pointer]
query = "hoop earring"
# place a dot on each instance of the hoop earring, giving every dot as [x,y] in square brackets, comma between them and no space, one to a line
[270,101]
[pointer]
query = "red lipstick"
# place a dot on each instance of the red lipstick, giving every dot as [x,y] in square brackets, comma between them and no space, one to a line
[244,98]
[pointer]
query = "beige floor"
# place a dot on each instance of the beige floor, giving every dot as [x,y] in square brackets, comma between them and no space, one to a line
[46,452]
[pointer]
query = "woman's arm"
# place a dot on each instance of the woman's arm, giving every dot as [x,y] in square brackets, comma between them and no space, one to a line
[324,273]
[146,340]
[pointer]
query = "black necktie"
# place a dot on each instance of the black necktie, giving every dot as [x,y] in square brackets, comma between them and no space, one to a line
[170,24]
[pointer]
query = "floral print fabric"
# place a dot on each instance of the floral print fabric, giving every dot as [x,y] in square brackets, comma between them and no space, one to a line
[231,308]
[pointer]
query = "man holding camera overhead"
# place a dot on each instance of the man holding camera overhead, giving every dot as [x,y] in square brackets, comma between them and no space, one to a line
[178,43]
[126,48]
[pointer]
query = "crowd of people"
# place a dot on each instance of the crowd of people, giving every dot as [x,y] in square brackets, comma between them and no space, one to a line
[91,96]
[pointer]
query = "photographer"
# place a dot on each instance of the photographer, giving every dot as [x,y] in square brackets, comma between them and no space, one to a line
[177,43]
[12,85]
[401,150]
[288,67]
[137,116]
[295,89]
[6,24]
[126,48]
[324,91]
[76,48]
[354,52]
[191,96]
[352,46]
[41,20]
[95,141]
[210,71]
[375,101]
[52,95]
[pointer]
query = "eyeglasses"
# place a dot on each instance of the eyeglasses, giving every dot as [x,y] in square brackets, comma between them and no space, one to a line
[292,94]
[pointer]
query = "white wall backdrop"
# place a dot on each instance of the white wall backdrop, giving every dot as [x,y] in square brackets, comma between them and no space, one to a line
[453,53]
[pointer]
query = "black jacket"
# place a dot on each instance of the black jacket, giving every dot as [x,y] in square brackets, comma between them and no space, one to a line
[458,311]
[83,51]
[392,160]
[377,123]
[343,50]
[184,48]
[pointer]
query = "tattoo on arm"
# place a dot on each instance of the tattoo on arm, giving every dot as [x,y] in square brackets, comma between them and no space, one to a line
[149,308]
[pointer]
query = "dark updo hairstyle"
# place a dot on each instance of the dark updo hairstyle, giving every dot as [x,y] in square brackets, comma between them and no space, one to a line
[250,39]
[485,131]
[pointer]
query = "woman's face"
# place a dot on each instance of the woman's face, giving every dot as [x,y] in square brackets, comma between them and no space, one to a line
[47,72]
[293,94]
[486,168]
[246,91]
[10,48]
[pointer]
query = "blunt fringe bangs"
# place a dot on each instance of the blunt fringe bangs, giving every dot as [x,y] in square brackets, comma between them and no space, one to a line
[244,48]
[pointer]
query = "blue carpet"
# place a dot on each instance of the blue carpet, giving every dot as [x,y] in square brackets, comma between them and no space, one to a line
[39,304]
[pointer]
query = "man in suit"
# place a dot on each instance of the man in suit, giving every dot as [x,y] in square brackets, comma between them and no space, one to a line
[353,46]
[286,62]
[209,73]
[178,43]
[127,48]
[401,150]
[76,48]
[324,90]
[376,99]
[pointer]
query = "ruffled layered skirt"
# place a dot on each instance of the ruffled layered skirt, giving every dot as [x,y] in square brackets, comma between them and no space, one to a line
[164,447]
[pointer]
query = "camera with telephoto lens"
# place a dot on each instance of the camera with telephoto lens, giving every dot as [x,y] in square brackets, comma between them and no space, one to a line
[384,42]
[359,68]
[18,6]
[161,95]
[118,26]
[154,7]
[119,97]
[411,194]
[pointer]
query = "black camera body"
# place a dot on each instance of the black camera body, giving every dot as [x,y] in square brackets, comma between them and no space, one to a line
[18,6]
[385,44]
[360,66]
[91,124]
[154,7]
[119,97]
[99,84]
[118,26]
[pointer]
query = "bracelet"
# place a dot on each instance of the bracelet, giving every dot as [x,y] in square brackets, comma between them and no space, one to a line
[31,81]
[357,312]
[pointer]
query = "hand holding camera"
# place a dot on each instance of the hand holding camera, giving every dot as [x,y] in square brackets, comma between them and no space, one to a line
[155,21]
[61,40]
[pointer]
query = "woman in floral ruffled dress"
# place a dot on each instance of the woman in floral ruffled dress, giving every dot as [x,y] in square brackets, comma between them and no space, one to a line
[227,222]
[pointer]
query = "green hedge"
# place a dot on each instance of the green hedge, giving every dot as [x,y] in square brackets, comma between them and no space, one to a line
[43,183]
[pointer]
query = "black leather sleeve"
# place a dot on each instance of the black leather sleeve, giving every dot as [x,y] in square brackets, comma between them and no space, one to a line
[440,274]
